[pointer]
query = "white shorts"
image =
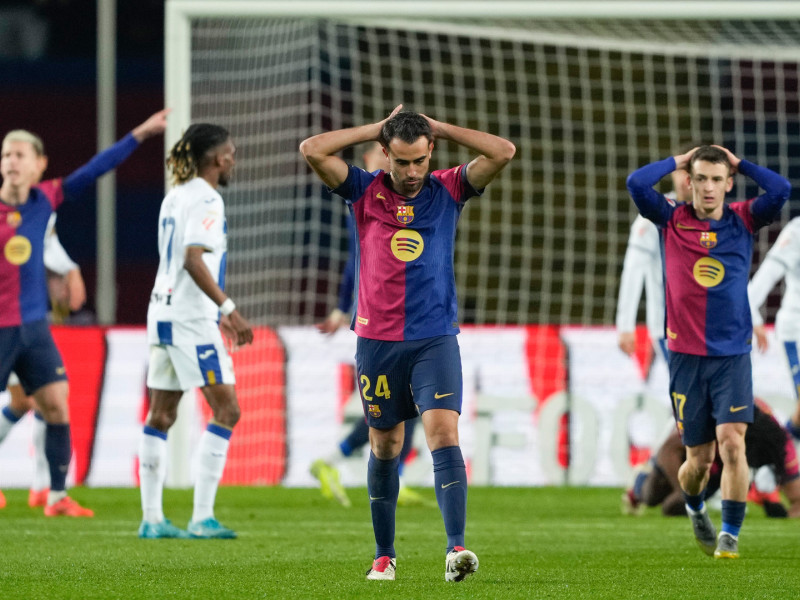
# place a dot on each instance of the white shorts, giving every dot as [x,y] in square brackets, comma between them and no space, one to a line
[181,367]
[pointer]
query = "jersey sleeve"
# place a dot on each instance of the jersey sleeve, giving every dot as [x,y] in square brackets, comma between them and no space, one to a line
[56,258]
[53,191]
[776,188]
[83,177]
[782,257]
[456,182]
[205,223]
[651,204]
[357,182]
[640,256]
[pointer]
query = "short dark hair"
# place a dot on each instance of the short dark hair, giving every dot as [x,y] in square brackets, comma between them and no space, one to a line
[709,154]
[187,155]
[407,126]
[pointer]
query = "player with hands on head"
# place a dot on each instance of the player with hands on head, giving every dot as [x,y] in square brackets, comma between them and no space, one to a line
[325,469]
[189,313]
[26,344]
[782,262]
[708,247]
[407,356]
[707,254]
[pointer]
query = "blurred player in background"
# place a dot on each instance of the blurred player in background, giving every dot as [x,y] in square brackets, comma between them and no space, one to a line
[708,248]
[782,261]
[770,454]
[26,345]
[188,310]
[325,469]
[67,292]
[407,355]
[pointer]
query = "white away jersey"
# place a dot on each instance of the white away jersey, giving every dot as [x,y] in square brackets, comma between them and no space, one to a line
[56,258]
[642,267]
[783,260]
[192,214]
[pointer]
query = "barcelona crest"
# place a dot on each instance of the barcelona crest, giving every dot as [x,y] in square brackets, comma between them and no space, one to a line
[14,219]
[374,410]
[405,214]
[708,239]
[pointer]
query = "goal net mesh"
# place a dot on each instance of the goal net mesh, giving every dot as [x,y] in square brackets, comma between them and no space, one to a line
[584,102]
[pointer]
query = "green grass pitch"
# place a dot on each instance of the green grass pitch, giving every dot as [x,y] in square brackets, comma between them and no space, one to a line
[532,543]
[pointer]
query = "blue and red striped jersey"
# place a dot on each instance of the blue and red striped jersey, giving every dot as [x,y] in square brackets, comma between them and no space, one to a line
[707,261]
[23,294]
[405,279]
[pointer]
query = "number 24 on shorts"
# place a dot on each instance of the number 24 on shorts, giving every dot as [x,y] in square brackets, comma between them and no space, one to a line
[381,387]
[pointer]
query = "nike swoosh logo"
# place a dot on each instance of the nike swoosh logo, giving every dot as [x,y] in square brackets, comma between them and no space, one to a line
[379,195]
[380,498]
[737,408]
[437,395]
[206,354]
[447,485]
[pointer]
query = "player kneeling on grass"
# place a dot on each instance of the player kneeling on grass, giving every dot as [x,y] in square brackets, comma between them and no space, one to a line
[183,328]
[407,355]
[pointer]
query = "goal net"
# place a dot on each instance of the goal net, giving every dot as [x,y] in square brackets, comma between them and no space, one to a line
[586,101]
[587,96]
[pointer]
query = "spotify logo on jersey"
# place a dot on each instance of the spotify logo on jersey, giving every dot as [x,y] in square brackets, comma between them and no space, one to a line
[708,272]
[407,245]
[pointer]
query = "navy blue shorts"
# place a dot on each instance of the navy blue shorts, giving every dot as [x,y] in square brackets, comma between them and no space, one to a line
[707,391]
[400,380]
[29,351]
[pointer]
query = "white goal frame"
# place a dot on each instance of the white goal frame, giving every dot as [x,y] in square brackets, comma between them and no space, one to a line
[179,13]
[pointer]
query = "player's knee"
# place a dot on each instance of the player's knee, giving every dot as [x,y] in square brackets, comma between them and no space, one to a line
[228,414]
[161,419]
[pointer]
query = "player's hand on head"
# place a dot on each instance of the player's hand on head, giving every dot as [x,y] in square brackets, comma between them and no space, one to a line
[396,110]
[682,160]
[731,158]
[155,124]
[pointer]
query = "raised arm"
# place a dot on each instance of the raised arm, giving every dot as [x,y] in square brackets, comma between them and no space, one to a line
[111,157]
[651,204]
[495,152]
[320,151]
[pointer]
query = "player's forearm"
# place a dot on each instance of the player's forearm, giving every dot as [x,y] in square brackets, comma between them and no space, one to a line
[332,143]
[770,273]
[200,274]
[493,147]
[777,188]
[104,161]
[640,186]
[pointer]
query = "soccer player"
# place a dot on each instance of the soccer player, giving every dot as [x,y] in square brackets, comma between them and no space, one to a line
[26,345]
[188,308]
[782,261]
[707,253]
[769,450]
[642,269]
[70,295]
[407,356]
[324,469]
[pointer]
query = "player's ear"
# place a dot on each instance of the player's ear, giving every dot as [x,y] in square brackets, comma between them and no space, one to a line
[729,184]
[41,164]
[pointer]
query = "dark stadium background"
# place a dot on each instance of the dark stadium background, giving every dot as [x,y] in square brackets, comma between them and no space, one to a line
[54,95]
